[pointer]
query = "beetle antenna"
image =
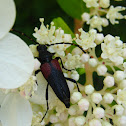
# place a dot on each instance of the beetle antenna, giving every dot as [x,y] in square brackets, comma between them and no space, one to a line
[23,34]
[67,44]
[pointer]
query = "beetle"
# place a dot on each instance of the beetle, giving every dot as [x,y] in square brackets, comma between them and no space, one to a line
[51,70]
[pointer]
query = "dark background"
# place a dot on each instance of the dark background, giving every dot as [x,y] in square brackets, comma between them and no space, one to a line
[29,12]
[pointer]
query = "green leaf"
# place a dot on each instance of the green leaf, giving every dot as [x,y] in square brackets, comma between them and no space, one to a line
[74,8]
[59,22]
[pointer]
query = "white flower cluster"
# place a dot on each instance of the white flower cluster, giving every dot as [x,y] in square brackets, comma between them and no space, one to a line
[99,8]
[88,107]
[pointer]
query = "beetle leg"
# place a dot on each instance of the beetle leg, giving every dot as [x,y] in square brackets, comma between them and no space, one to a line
[36,72]
[62,64]
[46,102]
[72,80]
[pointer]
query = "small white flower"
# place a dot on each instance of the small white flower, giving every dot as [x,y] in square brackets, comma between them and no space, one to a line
[101,70]
[86,40]
[109,81]
[89,89]
[112,49]
[95,22]
[114,14]
[98,112]
[92,62]
[96,97]
[108,98]
[73,61]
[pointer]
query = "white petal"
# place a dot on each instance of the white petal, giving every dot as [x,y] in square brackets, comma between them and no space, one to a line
[7,16]
[16,62]
[15,111]
[2,96]
[39,96]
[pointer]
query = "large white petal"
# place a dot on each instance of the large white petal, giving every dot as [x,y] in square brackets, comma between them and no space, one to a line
[16,62]
[39,96]
[7,16]
[2,96]
[15,111]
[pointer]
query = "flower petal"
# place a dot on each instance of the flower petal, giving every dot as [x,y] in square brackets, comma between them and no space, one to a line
[2,96]
[39,96]
[15,111]
[16,62]
[7,16]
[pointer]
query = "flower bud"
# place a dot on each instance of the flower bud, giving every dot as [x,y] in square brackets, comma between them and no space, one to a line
[105,22]
[98,112]
[53,118]
[85,58]
[119,109]
[72,121]
[59,31]
[80,120]
[77,51]
[73,110]
[93,62]
[119,76]
[99,38]
[109,81]
[122,84]
[85,17]
[96,97]
[105,123]
[67,38]
[76,96]
[75,75]
[104,3]
[37,64]
[108,98]
[95,122]
[101,70]
[83,104]
[89,89]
